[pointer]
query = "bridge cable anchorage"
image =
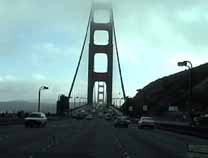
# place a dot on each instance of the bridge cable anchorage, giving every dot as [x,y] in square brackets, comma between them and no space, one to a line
[119,65]
[81,54]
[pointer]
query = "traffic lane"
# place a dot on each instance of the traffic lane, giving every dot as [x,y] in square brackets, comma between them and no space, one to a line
[96,138]
[95,141]
[185,139]
[59,144]
[79,138]
[89,142]
[29,140]
[12,129]
[173,137]
[105,142]
[143,144]
[14,132]
[155,143]
[137,145]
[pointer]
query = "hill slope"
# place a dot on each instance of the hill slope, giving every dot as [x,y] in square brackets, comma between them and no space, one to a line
[174,90]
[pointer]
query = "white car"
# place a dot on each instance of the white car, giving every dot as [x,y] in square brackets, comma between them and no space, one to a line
[89,117]
[146,122]
[36,119]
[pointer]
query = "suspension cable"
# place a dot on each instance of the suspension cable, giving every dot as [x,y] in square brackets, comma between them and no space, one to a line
[119,65]
[80,57]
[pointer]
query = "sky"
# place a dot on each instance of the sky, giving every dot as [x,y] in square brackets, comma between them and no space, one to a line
[40,42]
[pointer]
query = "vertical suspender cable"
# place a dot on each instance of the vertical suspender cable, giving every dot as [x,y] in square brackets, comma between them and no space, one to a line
[80,57]
[119,66]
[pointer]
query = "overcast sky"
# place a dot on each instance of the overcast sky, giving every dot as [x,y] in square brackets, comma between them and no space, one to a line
[40,42]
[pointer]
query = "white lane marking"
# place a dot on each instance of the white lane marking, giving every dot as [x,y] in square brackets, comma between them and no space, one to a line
[64,125]
[4,137]
[135,127]
[126,155]
[52,142]
[124,152]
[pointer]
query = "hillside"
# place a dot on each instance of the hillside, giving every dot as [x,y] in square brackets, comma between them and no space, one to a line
[174,90]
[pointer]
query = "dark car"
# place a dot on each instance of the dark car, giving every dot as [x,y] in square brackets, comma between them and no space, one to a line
[201,121]
[108,117]
[79,115]
[121,121]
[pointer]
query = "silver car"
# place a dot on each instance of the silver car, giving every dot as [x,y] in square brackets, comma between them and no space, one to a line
[146,122]
[36,119]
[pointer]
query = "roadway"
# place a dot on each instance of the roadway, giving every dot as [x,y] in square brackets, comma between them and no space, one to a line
[91,139]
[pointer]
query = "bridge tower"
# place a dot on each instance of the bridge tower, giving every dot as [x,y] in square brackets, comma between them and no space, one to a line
[105,49]
[101,94]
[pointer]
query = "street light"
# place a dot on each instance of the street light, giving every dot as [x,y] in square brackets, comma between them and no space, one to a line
[185,63]
[82,100]
[142,103]
[41,88]
[120,101]
[69,102]
[79,100]
[75,101]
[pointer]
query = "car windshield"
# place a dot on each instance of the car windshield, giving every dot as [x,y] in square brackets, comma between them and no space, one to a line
[110,78]
[147,118]
[35,115]
[123,117]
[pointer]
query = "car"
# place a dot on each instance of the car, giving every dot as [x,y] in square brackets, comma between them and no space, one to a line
[89,117]
[201,121]
[35,119]
[108,117]
[134,120]
[93,110]
[146,122]
[79,115]
[100,115]
[121,121]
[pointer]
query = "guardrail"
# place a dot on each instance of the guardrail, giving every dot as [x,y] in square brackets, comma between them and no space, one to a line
[10,121]
[116,110]
[184,129]
[5,121]
[79,107]
[18,121]
[200,151]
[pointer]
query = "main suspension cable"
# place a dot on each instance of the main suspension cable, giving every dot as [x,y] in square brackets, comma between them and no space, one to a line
[80,57]
[119,65]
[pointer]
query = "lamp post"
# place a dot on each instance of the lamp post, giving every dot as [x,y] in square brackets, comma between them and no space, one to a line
[141,104]
[80,100]
[188,64]
[75,101]
[69,103]
[120,101]
[41,88]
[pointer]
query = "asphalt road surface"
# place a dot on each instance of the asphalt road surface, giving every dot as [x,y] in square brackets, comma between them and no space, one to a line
[91,139]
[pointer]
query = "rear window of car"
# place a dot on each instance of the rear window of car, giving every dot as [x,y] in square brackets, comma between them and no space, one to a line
[35,115]
[122,118]
[146,118]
